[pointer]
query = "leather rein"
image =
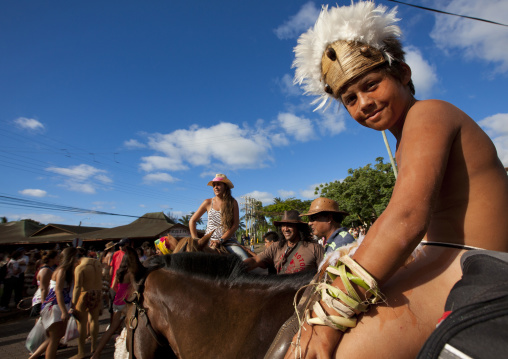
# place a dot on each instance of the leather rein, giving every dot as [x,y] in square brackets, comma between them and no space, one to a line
[133,320]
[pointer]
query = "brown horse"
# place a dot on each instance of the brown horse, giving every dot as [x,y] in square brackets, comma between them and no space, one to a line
[195,305]
[189,244]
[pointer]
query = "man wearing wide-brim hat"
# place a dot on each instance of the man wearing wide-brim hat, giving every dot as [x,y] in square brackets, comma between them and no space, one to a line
[325,218]
[295,252]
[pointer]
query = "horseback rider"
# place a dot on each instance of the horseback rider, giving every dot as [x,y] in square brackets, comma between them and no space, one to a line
[223,216]
[451,192]
[295,251]
[325,218]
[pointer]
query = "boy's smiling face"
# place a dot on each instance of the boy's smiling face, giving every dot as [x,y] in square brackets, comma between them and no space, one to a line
[377,99]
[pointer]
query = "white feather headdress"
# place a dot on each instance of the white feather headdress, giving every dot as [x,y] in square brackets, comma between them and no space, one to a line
[361,23]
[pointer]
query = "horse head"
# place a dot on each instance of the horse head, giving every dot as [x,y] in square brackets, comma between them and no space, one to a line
[134,264]
[143,342]
[189,244]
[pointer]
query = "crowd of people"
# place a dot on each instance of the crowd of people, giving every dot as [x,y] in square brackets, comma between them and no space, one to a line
[80,283]
[73,282]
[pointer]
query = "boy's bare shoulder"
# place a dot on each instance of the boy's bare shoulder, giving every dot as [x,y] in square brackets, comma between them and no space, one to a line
[429,110]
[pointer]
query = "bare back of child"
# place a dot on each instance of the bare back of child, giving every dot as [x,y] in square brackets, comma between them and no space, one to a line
[451,192]
[448,165]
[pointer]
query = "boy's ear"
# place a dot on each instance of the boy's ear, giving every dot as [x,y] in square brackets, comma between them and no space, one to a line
[406,73]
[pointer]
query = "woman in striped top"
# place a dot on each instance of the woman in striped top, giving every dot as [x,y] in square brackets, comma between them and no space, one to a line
[223,215]
[56,307]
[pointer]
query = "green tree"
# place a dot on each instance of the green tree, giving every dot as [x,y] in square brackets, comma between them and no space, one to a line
[171,218]
[364,194]
[256,217]
[185,220]
[3,220]
[275,210]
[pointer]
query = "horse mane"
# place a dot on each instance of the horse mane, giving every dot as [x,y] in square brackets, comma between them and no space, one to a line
[226,269]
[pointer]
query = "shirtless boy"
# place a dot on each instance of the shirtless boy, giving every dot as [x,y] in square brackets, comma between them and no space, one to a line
[451,186]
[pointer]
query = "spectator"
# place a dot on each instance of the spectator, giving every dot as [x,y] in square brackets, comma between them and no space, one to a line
[20,288]
[105,259]
[86,299]
[56,308]
[49,260]
[12,277]
[269,239]
[116,260]
[123,283]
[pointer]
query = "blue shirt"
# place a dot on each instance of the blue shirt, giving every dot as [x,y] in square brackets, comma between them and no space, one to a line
[339,238]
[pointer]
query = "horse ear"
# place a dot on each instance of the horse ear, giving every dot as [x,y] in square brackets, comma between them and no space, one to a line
[134,265]
[204,241]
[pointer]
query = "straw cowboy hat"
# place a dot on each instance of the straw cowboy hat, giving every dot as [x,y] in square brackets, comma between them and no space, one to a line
[219,177]
[322,204]
[109,245]
[291,217]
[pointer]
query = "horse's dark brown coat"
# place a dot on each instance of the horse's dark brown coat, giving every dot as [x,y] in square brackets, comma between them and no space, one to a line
[208,306]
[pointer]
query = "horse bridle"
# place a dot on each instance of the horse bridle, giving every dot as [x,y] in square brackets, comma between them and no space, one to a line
[133,321]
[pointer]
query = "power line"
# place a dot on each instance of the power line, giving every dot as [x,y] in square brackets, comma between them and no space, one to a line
[449,13]
[21,202]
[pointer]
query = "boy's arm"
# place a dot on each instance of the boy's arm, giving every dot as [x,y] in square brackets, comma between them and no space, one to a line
[423,154]
[422,157]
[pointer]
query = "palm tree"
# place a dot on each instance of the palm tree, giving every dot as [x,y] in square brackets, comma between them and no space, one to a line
[185,220]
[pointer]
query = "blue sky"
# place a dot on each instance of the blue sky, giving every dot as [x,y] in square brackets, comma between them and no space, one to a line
[131,107]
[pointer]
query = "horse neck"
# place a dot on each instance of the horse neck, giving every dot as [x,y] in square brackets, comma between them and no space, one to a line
[195,313]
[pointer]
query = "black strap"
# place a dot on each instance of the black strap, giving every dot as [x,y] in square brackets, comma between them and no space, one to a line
[137,302]
[290,253]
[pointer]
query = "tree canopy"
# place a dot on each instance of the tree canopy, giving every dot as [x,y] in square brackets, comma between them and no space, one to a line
[275,211]
[364,194]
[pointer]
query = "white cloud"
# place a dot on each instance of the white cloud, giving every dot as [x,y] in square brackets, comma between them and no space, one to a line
[79,187]
[299,127]
[229,146]
[279,139]
[298,23]
[154,163]
[332,123]
[475,39]
[286,194]
[103,178]
[496,127]
[159,177]
[309,192]
[226,143]
[265,197]
[134,144]
[34,192]
[287,87]
[81,178]
[39,217]
[80,172]
[29,124]
[423,74]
